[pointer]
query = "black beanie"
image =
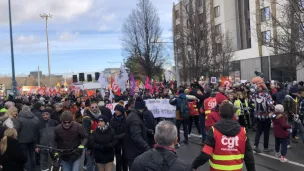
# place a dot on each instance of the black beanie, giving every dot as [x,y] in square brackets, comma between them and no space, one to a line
[227,110]
[37,105]
[140,104]
[119,108]
[66,116]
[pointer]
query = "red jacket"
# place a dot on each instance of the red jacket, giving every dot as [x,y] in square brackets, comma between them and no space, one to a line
[212,119]
[280,126]
[193,108]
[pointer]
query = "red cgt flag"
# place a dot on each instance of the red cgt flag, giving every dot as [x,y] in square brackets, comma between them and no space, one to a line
[115,87]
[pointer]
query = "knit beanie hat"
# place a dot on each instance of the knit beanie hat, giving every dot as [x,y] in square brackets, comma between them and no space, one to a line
[220,98]
[119,108]
[37,105]
[227,110]
[103,118]
[182,91]
[66,116]
[279,108]
[140,104]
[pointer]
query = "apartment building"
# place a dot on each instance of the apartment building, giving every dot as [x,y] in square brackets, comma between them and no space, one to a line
[251,26]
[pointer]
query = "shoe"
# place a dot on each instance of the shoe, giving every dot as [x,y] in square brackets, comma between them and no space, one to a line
[189,135]
[283,159]
[289,146]
[293,140]
[277,155]
[297,138]
[267,150]
[256,149]
[177,146]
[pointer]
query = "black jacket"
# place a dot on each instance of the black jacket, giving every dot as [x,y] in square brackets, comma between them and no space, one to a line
[37,113]
[159,159]
[56,115]
[47,132]
[228,128]
[29,124]
[103,143]
[106,112]
[12,159]
[119,126]
[150,125]
[136,140]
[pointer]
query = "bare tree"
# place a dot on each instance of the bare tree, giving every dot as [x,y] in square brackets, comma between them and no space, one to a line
[140,31]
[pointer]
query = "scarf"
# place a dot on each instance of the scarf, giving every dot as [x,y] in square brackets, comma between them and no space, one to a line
[119,117]
[96,115]
[105,128]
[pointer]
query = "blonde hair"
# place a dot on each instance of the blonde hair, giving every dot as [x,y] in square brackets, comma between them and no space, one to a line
[10,111]
[9,132]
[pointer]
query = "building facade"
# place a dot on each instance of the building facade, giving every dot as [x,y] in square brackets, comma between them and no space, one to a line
[252,27]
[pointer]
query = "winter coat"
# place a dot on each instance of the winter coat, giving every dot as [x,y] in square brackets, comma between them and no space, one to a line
[12,159]
[103,143]
[88,119]
[280,126]
[106,112]
[229,128]
[136,140]
[29,123]
[37,113]
[119,126]
[158,159]
[178,102]
[150,124]
[12,123]
[70,139]
[213,118]
[280,96]
[47,132]
[290,107]
[56,115]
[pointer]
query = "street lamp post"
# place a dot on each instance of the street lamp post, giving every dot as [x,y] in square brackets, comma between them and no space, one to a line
[47,16]
[12,50]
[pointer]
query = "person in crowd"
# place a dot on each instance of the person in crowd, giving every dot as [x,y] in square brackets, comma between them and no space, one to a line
[58,111]
[129,107]
[136,140]
[70,135]
[163,156]
[37,108]
[150,124]
[28,132]
[194,116]
[118,123]
[7,105]
[104,110]
[102,142]
[216,143]
[11,159]
[12,121]
[281,132]
[301,107]
[242,112]
[263,106]
[182,115]
[72,108]
[281,93]
[46,137]
[147,95]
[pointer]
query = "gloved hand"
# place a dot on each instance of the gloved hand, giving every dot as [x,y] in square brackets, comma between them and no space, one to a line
[80,149]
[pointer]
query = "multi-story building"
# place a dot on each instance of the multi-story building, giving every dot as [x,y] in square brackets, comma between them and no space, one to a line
[253,30]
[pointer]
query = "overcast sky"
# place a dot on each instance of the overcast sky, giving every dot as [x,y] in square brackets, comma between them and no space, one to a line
[84,34]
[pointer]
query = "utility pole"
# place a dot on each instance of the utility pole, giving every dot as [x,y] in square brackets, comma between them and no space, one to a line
[12,50]
[38,77]
[47,16]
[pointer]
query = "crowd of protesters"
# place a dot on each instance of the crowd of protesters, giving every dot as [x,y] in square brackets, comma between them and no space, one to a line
[97,135]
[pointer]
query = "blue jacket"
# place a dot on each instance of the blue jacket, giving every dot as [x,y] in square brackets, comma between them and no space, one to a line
[280,96]
[178,101]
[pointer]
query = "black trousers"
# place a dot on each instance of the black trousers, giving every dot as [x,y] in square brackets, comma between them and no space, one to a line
[185,123]
[194,118]
[130,162]
[263,126]
[121,162]
[28,150]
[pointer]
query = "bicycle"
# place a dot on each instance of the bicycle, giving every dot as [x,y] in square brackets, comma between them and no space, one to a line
[56,164]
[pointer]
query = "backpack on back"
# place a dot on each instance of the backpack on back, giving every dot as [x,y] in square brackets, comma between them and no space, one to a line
[184,108]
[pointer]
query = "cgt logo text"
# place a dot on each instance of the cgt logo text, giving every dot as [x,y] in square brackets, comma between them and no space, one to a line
[229,143]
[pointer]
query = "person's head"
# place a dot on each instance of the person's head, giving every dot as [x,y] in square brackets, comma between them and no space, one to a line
[279,108]
[101,103]
[94,107]
[12,112]
[118,110]
[67,103]
[230,96]
[78,100]
[58,107]
[220,98]
[102,121]
[8,104]
[66,119]
[45,115]
[38,106]
[8,133]
[140,105]
[181,91]
[227,110]
[166,134]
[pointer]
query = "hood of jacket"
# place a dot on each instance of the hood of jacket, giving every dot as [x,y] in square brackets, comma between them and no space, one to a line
[228,127]
[182,96]
[26,112]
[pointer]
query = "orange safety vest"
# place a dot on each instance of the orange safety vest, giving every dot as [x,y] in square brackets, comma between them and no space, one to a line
[229,152]
[209,104]
[193,108]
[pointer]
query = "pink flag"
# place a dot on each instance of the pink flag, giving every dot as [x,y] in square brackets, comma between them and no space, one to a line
[148,86]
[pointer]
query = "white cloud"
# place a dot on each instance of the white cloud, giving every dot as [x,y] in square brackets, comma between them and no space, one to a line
[29,10]
[67,36]
[24,39]
[103,28]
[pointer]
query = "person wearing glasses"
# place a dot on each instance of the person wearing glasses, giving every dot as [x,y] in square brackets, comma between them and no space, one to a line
[70,135]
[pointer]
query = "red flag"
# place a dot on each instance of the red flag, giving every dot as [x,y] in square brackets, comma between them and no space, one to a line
[115,87]
[225,82]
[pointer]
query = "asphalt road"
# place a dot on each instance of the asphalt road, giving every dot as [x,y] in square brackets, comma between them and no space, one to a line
[263,161]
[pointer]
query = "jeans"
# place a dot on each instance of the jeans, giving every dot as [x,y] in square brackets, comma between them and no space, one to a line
[71,165]
[183,122]
[194,118]
[283,142]
[121,162]
[44,160]
[297,126]
[263,126]
[90,164]
[203,127]
[29,151]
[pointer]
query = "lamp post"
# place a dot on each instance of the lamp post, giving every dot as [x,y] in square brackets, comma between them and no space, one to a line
[12,50]
[47,16]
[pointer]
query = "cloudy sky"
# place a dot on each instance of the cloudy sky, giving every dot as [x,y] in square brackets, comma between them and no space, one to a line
[84,34]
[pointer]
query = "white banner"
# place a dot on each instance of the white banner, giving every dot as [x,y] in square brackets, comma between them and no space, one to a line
[159,107]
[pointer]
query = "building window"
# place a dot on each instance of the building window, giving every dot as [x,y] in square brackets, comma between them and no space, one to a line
[177,14]
[265,14]
[216,11]
[266,37]
[217,30]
